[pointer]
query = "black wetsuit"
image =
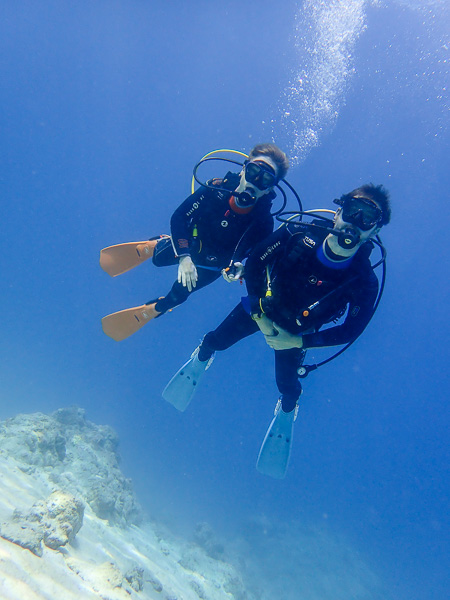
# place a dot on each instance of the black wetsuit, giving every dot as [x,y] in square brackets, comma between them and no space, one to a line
[300,277]
[207,229]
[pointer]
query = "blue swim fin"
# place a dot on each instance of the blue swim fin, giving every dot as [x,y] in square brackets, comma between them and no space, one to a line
[181,388]
[275,451]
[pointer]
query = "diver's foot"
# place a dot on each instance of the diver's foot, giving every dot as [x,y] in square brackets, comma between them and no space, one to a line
[146,249]
[122,324]
[150,311]
[273,459]
[181,388]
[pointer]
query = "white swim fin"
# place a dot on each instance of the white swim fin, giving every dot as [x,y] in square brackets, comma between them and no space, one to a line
[181,388]
[273,458]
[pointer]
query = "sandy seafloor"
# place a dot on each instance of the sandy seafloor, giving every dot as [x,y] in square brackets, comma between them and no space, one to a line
[93,565]
[261,562]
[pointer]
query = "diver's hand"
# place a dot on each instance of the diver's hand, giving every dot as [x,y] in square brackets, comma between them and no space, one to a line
[265,325]
[283,340]
[233,272]
[187,273]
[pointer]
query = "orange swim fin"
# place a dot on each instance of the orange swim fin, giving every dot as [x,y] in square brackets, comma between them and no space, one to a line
[120,258]
[122,324]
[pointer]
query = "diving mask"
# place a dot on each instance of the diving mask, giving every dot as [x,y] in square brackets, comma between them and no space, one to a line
[361,212]
[260,174]
[256,179]
[347,233]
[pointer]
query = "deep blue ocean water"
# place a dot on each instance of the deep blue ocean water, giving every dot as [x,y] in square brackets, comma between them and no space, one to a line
[105,109]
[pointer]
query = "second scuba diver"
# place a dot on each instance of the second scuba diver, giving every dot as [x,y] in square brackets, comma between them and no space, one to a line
[302,277]
[212,231]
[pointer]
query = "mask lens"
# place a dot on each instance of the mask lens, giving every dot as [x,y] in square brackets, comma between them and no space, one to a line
[361,212]
[259,176]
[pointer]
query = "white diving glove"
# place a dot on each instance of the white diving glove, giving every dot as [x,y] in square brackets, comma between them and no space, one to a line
[187,273]
[282,339]
[233,272]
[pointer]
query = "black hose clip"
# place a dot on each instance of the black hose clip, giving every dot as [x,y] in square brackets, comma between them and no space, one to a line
[305,370]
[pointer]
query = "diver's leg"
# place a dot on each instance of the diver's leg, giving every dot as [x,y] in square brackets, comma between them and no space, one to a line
[286,364]
[273,458]
[179,293]
[164,254]
[181,388]
[236,326]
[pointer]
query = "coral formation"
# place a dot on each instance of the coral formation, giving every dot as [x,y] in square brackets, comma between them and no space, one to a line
[78,456]
[54,521]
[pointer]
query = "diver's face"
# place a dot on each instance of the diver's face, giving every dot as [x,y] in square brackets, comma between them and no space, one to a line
[360,215]
[363,235]
[346,245]
[362,212]
[258,177]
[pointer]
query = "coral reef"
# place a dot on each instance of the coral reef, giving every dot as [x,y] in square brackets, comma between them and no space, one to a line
[78,456]
[68,530]
[54,521]
[68,523]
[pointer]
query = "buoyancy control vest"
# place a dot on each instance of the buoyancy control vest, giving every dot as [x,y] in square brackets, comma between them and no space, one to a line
[305,293]
[219,231]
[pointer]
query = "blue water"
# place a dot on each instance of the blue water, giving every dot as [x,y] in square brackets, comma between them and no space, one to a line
[106,107]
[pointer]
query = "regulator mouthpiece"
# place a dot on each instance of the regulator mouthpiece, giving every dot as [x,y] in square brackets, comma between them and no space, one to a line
[348,238]
[244,199]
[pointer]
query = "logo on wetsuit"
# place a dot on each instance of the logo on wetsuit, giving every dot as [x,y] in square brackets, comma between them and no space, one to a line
[195,206]
[269,250]
[308,242]
[313,280]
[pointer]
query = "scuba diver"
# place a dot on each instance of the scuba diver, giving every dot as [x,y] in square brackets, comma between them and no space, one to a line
[212,232]
[302,277]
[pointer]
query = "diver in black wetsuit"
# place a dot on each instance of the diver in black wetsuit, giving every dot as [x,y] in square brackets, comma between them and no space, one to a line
[298,280]
[308,266]
[214,230]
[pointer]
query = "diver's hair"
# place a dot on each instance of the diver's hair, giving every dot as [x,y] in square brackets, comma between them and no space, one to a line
[377,193]
[273,152]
